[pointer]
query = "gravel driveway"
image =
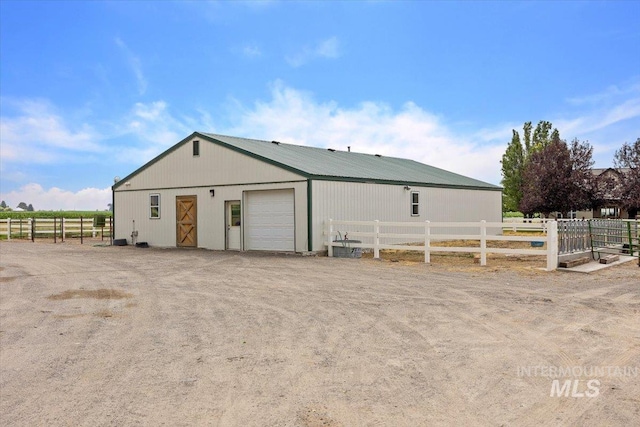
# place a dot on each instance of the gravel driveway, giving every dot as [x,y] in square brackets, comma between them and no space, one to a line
[113,336]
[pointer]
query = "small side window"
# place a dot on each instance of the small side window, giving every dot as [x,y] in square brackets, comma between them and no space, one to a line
[415,203]
[235,215]
[154,206]
[196,148]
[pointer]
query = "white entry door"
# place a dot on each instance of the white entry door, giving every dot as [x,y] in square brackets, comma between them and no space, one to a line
[233,223]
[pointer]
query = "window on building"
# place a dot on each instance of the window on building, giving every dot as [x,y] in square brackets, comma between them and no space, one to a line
[196,148]
[415,203]
[154,206]
[235,214]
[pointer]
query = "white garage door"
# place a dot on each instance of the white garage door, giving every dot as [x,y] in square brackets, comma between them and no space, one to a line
[269,221]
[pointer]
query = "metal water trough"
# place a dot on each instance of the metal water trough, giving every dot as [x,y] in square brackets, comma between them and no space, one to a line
[346,251]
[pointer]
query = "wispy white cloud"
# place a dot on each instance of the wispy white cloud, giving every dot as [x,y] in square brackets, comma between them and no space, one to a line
[611,93]
[58,199]
[371,127]
[605,119]
[153,123]
[155,128]
[135,64]
[593,112]
[36,133]
[328,49]
[599,118]
[251,51]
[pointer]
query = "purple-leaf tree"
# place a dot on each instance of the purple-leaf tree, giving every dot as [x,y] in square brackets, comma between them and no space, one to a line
[558,178]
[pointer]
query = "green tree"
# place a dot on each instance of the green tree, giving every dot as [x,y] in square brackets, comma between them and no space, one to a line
[516,157]
[543,135]
[30,207]
[3,205]
[512,167]
[23,205]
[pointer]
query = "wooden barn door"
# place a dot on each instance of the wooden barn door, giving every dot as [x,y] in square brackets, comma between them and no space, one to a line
[186,221]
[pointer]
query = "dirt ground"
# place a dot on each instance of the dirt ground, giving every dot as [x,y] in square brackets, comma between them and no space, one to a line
[113,336]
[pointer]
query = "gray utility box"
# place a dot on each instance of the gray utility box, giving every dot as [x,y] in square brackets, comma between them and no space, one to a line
[347,250]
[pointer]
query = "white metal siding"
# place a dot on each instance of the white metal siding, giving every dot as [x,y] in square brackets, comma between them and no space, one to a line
[366,202]
[215,165]
[227,172]
[134,206]
[269,220]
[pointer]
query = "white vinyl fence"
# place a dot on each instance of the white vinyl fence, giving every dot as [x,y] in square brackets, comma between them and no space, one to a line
[375,235]
[56,228]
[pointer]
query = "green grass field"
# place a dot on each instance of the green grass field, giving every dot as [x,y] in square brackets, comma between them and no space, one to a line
[54,214]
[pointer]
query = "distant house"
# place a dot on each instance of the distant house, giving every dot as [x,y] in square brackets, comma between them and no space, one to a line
[227,193]
[608,180]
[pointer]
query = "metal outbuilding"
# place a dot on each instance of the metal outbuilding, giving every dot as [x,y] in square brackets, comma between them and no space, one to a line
[222,192]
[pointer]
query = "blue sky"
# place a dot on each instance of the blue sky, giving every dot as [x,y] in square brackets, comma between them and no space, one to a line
[93,90]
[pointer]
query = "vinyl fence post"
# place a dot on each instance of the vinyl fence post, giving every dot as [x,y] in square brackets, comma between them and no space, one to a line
[483,242]
[427,242]
[630,238]
[329,235]
[55,223]
[8,228]
[62,229]
[376,239]
[552,245]
[81,232]
[111,230]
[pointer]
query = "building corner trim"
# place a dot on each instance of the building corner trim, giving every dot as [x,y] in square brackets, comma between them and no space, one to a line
[309,216]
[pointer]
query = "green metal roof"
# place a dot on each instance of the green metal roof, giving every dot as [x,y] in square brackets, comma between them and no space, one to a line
[321,163]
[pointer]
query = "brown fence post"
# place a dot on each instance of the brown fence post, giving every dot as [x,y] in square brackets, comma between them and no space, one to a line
[111,230]
[55,220]
[33,229]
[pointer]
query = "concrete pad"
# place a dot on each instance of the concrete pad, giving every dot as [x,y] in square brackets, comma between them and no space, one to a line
[596,266]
